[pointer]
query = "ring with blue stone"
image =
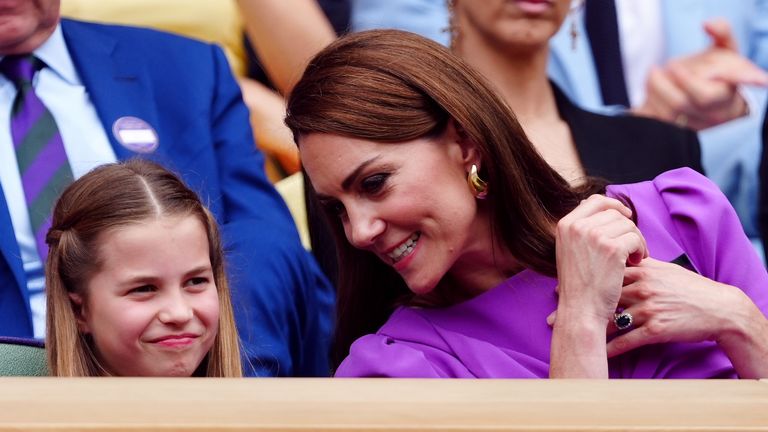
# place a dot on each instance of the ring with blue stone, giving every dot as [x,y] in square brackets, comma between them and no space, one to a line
[622,320]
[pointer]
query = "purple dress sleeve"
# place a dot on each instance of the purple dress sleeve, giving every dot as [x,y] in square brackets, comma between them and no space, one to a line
[706,227]
[684,212]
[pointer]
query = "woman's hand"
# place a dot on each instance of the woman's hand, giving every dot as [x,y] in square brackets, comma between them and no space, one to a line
[669,303]
[595,242]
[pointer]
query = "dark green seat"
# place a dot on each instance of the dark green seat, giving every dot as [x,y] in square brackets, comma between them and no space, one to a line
[22,357]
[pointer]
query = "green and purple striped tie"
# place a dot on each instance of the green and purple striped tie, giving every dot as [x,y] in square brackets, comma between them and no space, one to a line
[40,154]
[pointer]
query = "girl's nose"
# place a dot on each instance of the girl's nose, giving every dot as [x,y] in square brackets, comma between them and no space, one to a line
[176,310]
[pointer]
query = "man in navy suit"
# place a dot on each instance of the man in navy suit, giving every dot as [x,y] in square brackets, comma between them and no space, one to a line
[120,92]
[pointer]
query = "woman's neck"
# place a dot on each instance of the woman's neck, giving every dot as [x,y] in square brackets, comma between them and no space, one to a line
[484,263]
[520,76]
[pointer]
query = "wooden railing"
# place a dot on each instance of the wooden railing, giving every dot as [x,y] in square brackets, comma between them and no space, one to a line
[381,405]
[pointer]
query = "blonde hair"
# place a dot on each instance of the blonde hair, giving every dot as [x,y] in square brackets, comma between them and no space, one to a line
[90,207]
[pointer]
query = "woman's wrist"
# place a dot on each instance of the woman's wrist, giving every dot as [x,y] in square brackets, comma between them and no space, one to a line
[736,318]
[578,346]
[745,339]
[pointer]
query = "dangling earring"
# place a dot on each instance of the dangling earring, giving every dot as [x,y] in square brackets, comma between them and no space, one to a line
[477,185]
[453,28]
[576,5]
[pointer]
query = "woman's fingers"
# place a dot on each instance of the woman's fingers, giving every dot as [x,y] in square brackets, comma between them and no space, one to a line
[630,340]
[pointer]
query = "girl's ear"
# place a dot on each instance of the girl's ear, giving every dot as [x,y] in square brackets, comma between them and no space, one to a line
[78,308]
[470,155]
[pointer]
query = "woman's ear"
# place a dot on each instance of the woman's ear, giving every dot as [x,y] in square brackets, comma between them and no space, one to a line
[470,154]
[78,308]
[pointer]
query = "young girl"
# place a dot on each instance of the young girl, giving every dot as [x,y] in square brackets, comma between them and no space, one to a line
[135,279]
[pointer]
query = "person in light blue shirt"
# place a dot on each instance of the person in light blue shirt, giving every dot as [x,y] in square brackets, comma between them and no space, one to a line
[428,18]
[659,39]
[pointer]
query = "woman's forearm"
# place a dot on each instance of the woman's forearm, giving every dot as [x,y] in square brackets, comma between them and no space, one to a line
[286,34]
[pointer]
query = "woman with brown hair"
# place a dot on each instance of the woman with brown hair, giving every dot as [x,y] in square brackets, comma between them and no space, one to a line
[135,279]
[442,279]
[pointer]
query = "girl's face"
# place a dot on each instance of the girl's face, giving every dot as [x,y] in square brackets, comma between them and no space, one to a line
[152,308]
[408,203]
[513,24]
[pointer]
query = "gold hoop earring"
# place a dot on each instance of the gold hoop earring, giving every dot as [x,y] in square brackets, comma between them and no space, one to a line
[477,185]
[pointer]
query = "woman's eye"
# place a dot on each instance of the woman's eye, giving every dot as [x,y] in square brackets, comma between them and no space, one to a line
[374,183]
[335,208]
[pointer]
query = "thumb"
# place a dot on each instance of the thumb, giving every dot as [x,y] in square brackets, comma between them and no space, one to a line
[720,32]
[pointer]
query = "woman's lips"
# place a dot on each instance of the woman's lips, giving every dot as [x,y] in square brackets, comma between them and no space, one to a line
[534,6]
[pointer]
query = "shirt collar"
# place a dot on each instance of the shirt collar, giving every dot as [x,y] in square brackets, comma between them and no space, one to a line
[56,56]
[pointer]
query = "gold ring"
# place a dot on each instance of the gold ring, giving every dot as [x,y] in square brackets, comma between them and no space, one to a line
[681,120]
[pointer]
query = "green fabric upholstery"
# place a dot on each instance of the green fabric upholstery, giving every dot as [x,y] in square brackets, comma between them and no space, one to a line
[22,357]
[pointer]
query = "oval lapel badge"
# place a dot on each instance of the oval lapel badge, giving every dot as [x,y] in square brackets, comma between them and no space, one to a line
[135,134]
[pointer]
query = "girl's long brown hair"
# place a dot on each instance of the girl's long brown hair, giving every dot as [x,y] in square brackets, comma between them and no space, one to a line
[109,197]
[391,86]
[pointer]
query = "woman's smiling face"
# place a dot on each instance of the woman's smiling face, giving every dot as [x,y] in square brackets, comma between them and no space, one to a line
[408,203]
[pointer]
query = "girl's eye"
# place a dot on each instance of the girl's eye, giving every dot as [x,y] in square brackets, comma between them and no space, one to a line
[197,284]
[197,281]
[373,184]
[144,289]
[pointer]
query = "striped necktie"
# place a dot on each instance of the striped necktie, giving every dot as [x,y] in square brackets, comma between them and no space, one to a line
[40,154]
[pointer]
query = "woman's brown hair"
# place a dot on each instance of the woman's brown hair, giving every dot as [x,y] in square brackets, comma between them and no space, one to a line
[110,197]
[391,86]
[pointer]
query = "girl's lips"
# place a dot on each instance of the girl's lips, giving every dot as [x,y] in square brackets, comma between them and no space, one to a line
[173,341]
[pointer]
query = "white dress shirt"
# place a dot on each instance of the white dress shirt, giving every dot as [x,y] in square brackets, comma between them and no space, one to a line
[85,142]
[641,35]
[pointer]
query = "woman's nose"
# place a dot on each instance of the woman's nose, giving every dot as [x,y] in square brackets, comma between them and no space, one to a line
[363,227]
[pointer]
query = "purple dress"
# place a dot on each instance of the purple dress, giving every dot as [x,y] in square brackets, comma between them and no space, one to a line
[503,333]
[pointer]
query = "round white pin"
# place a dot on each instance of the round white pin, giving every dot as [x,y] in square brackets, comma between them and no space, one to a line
[135,134]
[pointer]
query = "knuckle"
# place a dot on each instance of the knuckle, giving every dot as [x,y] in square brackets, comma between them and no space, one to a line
[563,227]
[653,329]
[609,248]
[580,228]
[644,293]
[621,344]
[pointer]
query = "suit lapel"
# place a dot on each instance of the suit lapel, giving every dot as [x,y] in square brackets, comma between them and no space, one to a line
[10,248]
[118,84]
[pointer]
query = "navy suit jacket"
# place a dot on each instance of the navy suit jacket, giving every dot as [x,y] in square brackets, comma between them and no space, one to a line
[184,89]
